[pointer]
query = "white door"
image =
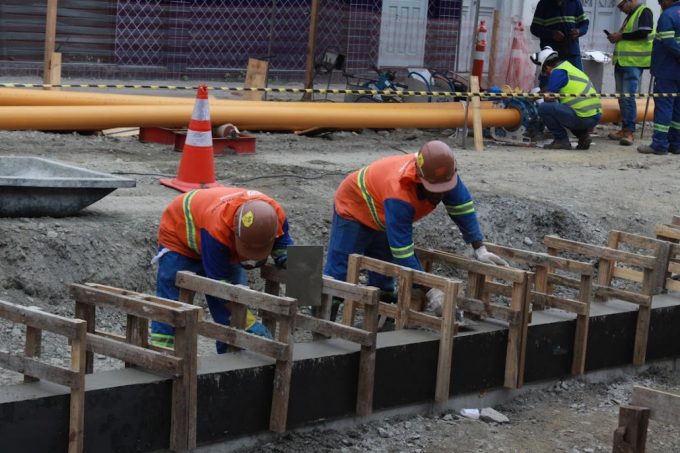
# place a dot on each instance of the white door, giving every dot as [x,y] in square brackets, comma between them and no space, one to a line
[402,33]
[603,15]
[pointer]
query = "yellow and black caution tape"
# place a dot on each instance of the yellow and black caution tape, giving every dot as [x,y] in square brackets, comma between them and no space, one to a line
[401,93]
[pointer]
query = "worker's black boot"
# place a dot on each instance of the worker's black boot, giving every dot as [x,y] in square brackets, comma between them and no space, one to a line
[584,139]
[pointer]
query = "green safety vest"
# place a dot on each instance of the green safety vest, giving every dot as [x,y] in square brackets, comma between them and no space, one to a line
[636,53]
[579,83]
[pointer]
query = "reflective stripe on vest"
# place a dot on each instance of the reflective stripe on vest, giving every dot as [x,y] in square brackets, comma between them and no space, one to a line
[579,84]
[192,243]
[635,53]
[361,182]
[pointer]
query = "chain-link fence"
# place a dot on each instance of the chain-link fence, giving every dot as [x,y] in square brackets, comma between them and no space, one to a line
[213,39]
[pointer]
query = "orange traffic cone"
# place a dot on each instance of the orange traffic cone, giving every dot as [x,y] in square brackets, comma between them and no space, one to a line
[196,168]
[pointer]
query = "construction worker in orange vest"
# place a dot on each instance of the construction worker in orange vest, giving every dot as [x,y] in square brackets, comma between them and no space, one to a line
[218,233]
[376,206]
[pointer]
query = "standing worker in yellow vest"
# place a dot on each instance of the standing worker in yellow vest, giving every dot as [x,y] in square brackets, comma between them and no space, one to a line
[632,54]
[579,111]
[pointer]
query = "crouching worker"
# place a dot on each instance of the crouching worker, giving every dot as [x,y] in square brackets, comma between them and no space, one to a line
[375,208]
[579,112]
[218,233]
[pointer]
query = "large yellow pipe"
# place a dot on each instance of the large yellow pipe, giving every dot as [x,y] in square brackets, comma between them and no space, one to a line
[284,116]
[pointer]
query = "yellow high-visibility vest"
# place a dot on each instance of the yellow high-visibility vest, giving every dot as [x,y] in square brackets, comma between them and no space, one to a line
[636,53]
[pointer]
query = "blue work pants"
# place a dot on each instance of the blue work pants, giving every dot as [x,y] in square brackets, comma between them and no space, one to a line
[168,266]
[666,116]
[347,237]
[557,116]
[627,80]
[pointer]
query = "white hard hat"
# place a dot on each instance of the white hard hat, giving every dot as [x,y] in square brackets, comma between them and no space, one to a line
[539,58]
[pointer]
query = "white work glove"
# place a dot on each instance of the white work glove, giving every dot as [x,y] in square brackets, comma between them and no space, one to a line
[435,300]
[483,255]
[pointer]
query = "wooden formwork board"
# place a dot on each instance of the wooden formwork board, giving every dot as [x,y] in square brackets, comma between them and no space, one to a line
[75,330]
[280,348]
[179,363]
[405,314]
[322,327]
[482,283]
[609,256]
[541,294]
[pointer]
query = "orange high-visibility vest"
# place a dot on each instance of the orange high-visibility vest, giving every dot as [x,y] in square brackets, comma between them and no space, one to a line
[362,194]
[212,210]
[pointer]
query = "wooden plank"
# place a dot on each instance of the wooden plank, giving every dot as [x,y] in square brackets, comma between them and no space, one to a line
[664,406]
[561,303]
[490,287]
[32,346]
[130,305]
[674,267]
[477,307]
[676,220]
[627,274]
[311,49]
[600,252]
[643,320]
[540,259]
[76,435]
[517,336]
[673,285]
[667,233]
[578,363]
[461,262]
[333,330]
[367,356]
[354,264]
[541,286]
[432,280]
[404,298]
[243,340]
[626,296]
[39,319]
[256,77]
[389,310]
[282,374]
[445,354]
[50,37]
[36,369]
[418,318]
[631,434]
[87,313]
[140,296]
[184,388]
[274,304]
[144,358]
[136,333]
[475,104]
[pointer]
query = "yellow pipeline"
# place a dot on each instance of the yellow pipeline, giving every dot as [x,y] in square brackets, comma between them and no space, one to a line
[281,116]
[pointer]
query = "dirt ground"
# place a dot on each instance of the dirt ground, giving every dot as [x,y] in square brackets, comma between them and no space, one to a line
[521,195]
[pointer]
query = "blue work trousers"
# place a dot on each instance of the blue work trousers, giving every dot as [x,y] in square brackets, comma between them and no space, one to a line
[168,266]
[627,80]
[666,116]
[347,237]
[557,117]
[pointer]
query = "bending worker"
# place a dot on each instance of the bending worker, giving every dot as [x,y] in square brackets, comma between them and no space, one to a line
[666,71]
[632,54]
[375,208]
[577,113]
[218,233]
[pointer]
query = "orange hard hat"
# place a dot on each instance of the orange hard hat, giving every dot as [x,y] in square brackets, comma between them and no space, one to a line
[437,167]
[255,225]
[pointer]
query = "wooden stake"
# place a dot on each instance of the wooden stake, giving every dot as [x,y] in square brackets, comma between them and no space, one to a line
[255,78]
[631,435]
[50,39]
[311,49]
[476,114]
[494,46]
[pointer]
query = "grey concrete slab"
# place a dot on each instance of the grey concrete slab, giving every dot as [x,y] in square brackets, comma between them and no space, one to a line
[37,187]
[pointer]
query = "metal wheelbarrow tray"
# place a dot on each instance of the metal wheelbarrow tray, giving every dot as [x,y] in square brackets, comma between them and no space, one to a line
[36,187]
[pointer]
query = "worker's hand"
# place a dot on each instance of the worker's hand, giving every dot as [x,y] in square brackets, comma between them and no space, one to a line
[435,300]
[557,35]
[614,37]
[281,261]
[574,33]
[484,256]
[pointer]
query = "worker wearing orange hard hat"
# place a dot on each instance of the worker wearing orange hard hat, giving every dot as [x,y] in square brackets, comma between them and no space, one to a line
[376,206]
[218,233]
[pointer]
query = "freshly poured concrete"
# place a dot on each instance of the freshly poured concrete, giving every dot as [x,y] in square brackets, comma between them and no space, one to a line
[128,410]
[36,187]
